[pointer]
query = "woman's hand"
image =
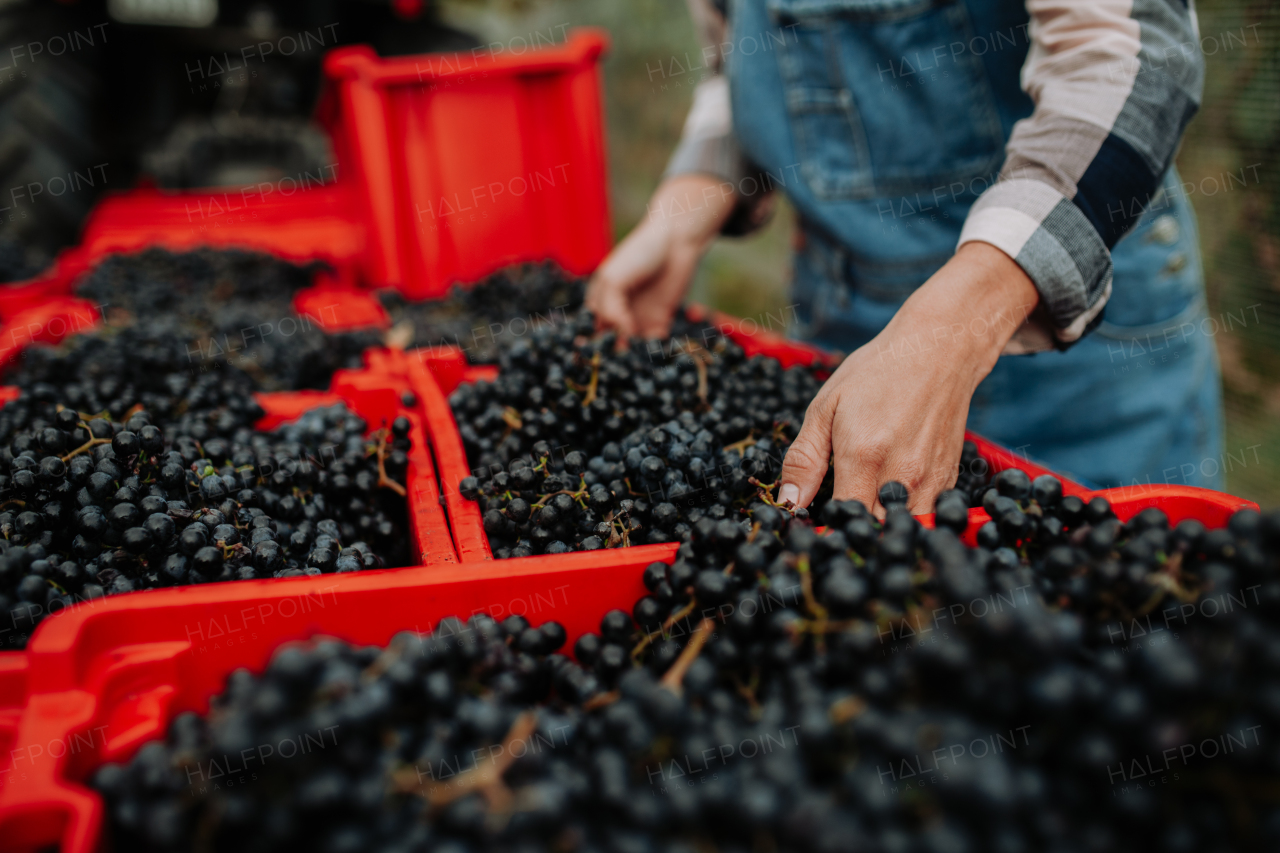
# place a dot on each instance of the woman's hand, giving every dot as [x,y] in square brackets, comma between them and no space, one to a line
[643,281]
[896,408]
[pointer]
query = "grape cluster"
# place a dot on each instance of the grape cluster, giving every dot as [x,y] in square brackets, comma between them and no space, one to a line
[1085,560]
[186,341]
[1073,682]
[591,447]
[974,475]
[344,745]
[121,369]
[878,686]
[93,506]
[480,317]
[225,308]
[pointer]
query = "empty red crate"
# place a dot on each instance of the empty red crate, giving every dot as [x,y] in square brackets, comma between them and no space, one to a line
[99,681]
[464,163]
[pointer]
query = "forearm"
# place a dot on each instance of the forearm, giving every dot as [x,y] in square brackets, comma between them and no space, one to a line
[690,208]
[1114,85]
[964,315]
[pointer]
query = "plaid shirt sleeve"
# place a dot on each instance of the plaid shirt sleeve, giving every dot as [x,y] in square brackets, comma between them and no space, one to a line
[707,144]
[1114,84]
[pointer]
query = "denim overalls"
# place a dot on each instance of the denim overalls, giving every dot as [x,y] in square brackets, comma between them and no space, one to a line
[883,121]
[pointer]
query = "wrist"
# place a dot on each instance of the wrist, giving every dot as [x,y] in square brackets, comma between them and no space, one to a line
[691,209]
[972,307]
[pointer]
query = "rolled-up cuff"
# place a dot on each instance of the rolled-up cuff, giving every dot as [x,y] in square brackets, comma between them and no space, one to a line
[1057,246]
[717,156]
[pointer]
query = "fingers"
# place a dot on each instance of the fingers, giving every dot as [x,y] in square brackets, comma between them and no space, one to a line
[632,265]
[927,467]
[653,305]
[940,478]
[607,300]
[915,457]
[866,454]
[805,464]
[859,462]
[934,460]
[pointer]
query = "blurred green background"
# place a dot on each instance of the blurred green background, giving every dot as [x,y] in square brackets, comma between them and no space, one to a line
[1231,154]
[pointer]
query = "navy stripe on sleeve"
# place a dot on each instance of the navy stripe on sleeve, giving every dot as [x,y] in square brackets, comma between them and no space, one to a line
[1115,189]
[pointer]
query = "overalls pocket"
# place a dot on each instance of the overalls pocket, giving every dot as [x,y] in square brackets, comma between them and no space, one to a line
[1157,273]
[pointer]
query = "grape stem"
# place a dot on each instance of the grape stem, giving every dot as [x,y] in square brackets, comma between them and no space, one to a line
[748,691]
[666,626]
[485,778]
[580,495]
[764,491]
[816,610]
[701,358]
[91,443]
[383,479]
[844,710]
[601,699]
[672,680]
[594,385]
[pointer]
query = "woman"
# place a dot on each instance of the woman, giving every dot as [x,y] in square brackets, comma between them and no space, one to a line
[973,178]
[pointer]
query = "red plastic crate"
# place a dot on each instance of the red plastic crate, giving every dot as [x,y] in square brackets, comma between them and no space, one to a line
[464,163]
[45,310]
[374,394]
[104,679]
[316,223]
[100,680]
[451,167]
[13,692]
[299,226]
[435,373]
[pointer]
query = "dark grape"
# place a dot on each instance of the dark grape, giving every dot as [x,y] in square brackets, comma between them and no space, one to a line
[810,701]
[611,448]
[223,513]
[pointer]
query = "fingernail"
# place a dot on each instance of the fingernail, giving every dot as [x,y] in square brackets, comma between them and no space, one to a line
[789,493]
